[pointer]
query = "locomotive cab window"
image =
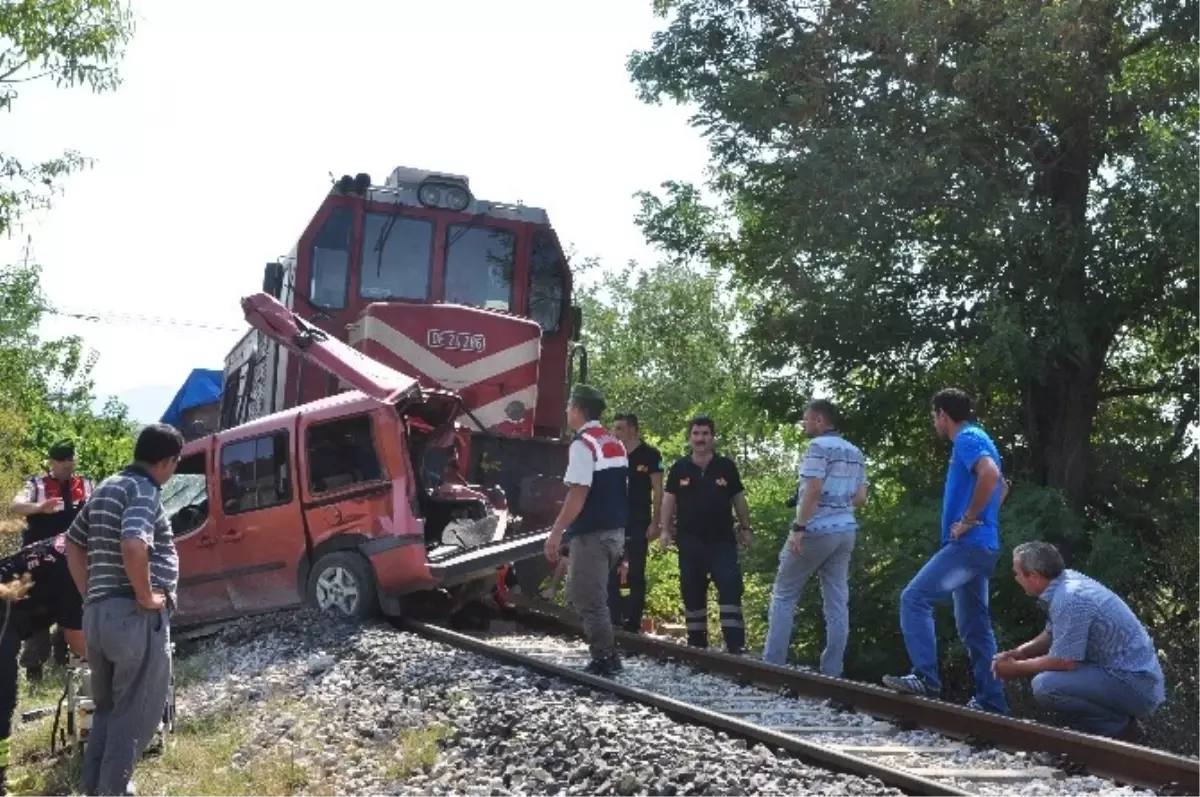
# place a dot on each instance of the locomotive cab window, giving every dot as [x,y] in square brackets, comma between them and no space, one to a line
[341,454]
[396,252]
[185,495]
[479,266]
[255,474]
[546,281]
[329,263]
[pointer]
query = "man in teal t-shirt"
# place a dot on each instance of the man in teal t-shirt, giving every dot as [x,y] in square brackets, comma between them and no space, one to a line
[963,565]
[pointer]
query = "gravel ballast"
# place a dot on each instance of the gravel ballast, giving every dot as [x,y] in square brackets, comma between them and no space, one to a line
[340,701]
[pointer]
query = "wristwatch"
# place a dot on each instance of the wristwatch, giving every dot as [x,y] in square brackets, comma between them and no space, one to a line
[799,528]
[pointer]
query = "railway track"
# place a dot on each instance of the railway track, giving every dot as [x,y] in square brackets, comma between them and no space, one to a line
[918,745]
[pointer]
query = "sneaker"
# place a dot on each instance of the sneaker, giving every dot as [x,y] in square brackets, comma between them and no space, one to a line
[1134,733]
[909,684]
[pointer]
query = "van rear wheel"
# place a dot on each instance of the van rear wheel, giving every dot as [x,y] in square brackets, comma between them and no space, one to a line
[342,584]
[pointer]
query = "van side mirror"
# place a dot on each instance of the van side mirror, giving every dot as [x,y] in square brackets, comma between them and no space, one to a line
[273,280]
[576,321]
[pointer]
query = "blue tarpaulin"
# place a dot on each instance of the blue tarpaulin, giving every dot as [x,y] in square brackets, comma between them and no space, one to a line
[201,387]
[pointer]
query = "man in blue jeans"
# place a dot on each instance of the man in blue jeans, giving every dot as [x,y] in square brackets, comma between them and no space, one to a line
[1094,662]
[962,566]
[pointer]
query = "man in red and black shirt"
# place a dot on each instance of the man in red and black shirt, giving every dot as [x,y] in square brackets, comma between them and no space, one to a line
[52,599]
[49,503]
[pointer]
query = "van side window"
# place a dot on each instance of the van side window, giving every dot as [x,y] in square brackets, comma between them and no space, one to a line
[341,454]
[255,474]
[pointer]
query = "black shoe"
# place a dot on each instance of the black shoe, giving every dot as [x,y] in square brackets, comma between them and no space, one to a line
[602,668]
[614,663]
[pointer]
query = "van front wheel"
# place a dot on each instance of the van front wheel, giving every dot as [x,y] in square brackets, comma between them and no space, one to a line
[342,583]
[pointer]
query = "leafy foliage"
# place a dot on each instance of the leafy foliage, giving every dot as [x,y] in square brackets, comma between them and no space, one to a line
[70,42]
[46,393]
[45,389]
[999,196]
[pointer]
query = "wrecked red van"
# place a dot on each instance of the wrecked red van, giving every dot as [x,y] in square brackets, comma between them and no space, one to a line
[349,503]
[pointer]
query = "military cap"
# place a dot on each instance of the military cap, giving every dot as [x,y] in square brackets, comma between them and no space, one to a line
[582,392]
[62,451]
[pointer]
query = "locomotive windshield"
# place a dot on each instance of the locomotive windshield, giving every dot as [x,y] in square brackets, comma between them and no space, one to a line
[396,255]
[479,266]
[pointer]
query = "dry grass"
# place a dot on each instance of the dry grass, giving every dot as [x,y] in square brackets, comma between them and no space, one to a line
[196,761]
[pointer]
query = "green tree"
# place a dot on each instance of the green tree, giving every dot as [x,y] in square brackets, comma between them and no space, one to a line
[999,196]
[45,388]
[909,183]
[69,42]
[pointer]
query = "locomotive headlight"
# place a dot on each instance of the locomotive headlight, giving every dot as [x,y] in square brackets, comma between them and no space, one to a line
[444,195]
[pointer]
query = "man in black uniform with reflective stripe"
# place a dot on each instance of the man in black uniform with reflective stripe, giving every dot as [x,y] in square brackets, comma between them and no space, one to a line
[645,501]
[706,488]
[51,599]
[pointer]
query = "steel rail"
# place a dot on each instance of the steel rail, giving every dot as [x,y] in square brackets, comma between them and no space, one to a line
[1107,758]
[826,757]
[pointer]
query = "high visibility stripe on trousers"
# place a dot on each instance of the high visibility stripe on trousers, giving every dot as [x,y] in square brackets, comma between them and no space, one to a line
[733,628]
[697,626]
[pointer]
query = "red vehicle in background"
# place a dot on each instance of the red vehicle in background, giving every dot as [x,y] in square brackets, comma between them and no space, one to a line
[462,294]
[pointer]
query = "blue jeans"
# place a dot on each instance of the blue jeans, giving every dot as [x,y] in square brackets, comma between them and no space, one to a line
[1093,700]
[827,555]
[961,572]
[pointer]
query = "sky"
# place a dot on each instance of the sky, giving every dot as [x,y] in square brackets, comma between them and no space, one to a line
[217,148]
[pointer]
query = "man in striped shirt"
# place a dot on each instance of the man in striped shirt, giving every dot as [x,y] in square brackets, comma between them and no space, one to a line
[833,484]
[122,558]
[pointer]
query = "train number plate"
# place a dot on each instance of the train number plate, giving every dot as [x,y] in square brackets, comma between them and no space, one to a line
[456,341]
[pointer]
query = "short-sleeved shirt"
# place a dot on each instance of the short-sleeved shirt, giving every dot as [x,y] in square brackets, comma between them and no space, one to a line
[596,460]
[1089,623]
[74,493]
[53,598]
[644,461]
[971,444]
[125,506]
[704,498]
[840,465]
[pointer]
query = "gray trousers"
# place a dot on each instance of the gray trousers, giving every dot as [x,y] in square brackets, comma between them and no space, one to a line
[827,555]
[129,655]
[593,556]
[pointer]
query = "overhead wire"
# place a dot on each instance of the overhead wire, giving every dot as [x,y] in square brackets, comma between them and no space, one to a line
[134,319]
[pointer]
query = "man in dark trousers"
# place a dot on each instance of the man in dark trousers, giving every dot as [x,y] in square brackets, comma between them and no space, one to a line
[49,503]
[706,488]
[592,521]
[50,597]
[645,502]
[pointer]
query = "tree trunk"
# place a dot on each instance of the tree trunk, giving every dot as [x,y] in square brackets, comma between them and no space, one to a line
[1061,408]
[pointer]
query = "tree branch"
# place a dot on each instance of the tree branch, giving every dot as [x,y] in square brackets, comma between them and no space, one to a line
[1144,42]
[1130,391]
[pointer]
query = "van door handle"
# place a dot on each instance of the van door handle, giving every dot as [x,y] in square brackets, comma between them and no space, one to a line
[206,542]
[233,535]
